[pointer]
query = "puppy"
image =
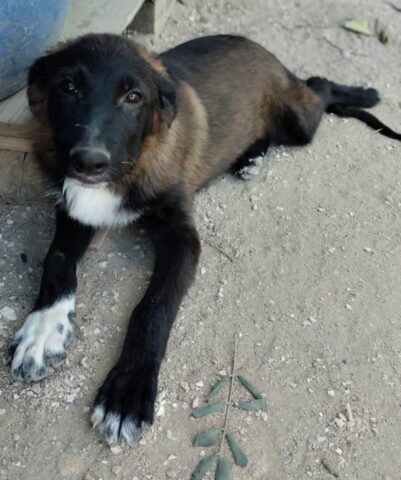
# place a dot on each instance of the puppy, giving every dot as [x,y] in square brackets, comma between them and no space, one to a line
[127,136]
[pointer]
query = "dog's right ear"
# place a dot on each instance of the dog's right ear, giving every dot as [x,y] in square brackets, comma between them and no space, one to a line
[37,87]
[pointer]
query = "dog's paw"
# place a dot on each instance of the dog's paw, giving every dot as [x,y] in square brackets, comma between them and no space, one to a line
[42,341]
[124,405]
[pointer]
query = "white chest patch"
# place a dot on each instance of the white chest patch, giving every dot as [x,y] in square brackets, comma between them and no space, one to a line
[96,206]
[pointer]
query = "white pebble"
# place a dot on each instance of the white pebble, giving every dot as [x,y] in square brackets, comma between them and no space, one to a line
[116,470]
[116,449]
[8,313]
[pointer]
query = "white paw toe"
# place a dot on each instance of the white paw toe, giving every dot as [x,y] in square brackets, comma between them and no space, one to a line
[114,428]
[42,341]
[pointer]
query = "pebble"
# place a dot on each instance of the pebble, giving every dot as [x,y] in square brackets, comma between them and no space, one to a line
[70,398]
[331,393]
[2,411]
[171,474]
[116,449]
[340,420]
[195,402]
[8,313]
[116,470]
[161,411]
[185,386]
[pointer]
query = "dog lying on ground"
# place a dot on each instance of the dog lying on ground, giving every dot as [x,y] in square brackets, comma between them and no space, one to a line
[127,136]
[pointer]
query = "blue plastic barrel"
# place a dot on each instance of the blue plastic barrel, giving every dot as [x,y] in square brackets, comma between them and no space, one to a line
[27,28]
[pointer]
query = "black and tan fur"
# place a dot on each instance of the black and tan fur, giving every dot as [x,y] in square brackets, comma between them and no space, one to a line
[205,107]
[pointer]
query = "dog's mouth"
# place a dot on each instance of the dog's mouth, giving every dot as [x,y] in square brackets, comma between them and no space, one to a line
[86,182]
[91,181]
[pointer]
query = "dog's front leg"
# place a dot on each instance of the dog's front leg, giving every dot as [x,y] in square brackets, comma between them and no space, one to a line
[43,339]
[125,402]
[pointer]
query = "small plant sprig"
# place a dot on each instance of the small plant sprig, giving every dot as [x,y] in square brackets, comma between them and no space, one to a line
[210,437]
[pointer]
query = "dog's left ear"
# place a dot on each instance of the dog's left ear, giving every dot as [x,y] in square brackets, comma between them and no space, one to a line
[37,87]
[167,99]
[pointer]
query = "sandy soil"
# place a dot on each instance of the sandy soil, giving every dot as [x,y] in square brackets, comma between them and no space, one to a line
[313,284]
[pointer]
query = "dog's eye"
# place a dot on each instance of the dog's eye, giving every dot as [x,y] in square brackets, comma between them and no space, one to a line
[133,97]
[68,86]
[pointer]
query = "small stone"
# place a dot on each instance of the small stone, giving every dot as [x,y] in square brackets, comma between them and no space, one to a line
[203,271]
[70,398]
[142,442]
[8,314]
[185,386]
[170,435]
[103,264]
[2,411]
[264,416]
[331,393]
[199,384]
[171,474]
[116,470]
[195,402]
[348,306]
[116,449]
[339,421]
[161,411]
[321,439]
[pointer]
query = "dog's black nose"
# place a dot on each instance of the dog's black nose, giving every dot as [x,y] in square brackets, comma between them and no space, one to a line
[89,161]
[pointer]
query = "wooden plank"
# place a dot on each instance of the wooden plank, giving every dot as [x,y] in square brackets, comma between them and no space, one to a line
[14,130]
[16,144]
[85,16]
[20,179]
[15,109]
[100,16]
[152,16]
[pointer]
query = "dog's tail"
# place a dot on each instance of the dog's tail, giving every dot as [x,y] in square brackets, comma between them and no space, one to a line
[347,101]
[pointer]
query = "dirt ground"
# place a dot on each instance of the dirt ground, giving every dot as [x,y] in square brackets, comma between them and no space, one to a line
[303,260]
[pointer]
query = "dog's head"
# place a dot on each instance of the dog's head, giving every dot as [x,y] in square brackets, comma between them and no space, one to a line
[100,95]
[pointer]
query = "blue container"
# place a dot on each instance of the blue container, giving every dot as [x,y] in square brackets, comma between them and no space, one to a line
[27,28]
